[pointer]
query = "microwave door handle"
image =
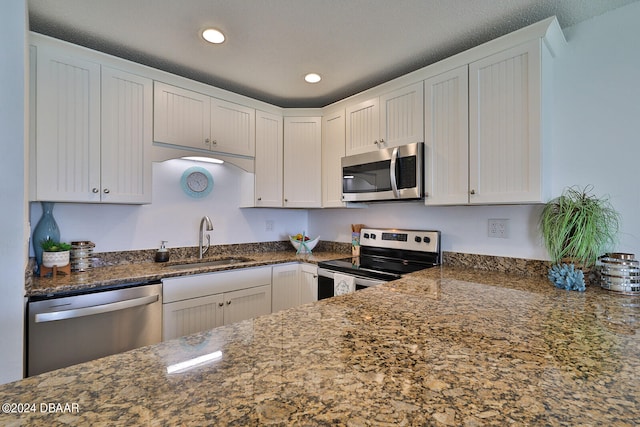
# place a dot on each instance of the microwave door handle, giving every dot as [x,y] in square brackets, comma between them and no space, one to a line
[392,173]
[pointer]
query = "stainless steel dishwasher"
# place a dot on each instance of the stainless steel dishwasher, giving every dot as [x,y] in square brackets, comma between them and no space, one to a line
[74,327]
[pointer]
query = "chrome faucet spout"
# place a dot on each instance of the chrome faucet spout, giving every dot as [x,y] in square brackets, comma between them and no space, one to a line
[205,225]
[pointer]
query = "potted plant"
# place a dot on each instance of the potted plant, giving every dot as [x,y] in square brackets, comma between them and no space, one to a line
[55,253]
[577,227]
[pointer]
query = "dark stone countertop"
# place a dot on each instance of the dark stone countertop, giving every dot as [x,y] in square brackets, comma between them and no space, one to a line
[445,346]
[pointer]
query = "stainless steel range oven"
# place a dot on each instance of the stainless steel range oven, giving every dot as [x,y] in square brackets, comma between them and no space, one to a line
[385,255]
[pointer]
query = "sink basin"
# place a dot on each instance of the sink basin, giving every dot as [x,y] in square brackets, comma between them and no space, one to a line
[207,263]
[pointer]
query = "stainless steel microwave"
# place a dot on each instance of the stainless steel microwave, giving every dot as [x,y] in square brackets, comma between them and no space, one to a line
[389,174]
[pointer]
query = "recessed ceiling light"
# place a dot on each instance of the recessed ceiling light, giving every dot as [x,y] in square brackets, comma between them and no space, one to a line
[312,78]
[213,36]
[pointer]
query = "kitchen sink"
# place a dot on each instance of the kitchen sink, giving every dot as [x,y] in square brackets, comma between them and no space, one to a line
[206,263]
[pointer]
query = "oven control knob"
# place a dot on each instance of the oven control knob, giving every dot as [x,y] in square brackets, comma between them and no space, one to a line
[366,235]
[427,239]
[418,239]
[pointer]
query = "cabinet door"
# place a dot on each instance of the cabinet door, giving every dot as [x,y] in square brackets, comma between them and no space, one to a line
[504,126]
[190,316]
[333,149]
[247,304]
[269,160]
[285,287]
[402,117]
[308,283]
[232,128]
[362,127]
[302,159]
[68,127]
[447,138]
[126,137]
[181,117]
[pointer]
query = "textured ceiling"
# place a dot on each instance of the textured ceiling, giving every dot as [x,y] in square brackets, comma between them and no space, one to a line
[272,44]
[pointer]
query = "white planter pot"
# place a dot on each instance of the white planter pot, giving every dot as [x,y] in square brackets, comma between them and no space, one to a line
[57,259]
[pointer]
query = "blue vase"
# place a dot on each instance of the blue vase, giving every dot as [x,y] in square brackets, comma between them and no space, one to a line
[47,228]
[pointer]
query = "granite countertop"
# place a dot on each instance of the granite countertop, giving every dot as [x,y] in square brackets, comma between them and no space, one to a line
[149,271]
[444,346]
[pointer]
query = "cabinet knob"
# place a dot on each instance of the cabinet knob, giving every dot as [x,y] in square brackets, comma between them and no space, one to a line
[381,140]
[286,200]
[106,191]
[95,190]
[426,194]
[214,142]
[472,192]
[259,198]
[228,302]
[220,304]
[376,142]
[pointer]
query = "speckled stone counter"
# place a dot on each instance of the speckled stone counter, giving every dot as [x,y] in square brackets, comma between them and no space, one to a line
[148,271]
[442,347]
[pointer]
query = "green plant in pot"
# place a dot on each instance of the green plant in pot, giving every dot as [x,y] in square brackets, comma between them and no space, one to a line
[577,227]
[55,253]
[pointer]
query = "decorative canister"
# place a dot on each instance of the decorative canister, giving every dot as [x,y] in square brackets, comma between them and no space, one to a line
[620,272]
[81,253]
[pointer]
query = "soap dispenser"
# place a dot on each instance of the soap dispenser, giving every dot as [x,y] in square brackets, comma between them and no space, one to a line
[162,255]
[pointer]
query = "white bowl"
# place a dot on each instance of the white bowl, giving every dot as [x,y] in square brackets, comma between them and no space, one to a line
[310,244]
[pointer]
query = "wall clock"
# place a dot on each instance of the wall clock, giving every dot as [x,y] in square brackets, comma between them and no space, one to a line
[196,182]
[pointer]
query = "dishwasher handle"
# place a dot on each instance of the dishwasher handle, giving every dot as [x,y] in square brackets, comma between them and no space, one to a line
[96,309]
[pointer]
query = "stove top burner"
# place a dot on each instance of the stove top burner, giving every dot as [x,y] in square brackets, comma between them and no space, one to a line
[387,254]
[375,266]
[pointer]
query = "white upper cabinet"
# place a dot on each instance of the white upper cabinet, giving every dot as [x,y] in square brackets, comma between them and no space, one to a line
[333,149]
[363,127]
[126,137]
[393,119]
[269,160]
[68,127]
[93,131]
[505,146]
[302,162]
[446,145]
[485,142]
[180,116]
[232,128]
[190,119]
[401,116]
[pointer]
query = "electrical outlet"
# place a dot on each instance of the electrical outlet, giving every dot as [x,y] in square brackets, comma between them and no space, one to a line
[268,225]
[498,228]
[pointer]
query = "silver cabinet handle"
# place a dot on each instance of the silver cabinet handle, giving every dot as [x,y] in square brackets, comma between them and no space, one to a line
[95,190]
[392,173]
[106,191]
[96,309]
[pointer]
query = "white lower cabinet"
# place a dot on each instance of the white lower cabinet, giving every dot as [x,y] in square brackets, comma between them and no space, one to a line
[205,301]
[293,284]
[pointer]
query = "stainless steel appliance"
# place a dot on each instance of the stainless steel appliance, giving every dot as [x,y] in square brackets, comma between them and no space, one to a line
[74,327]
[388,174]
[385,255]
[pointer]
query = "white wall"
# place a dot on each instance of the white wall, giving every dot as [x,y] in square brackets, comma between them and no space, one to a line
[13,113]
[174,216]
[596,140]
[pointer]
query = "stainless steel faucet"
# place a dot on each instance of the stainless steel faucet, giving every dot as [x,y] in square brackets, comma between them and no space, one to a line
[209,227]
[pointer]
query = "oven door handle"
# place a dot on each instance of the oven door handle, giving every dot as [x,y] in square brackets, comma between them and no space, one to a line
[359,280]
[96,309]
[392,173]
